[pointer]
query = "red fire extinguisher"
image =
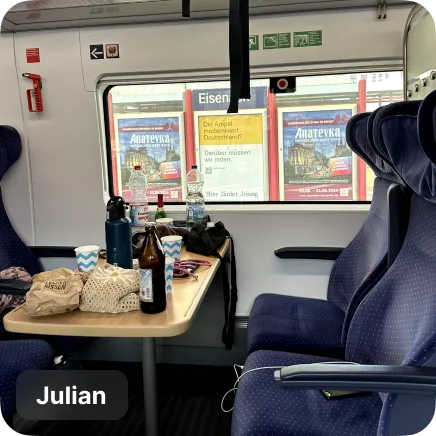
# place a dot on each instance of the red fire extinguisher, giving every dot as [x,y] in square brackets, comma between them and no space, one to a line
[37,86]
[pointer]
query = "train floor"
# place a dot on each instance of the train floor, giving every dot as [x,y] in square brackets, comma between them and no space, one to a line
[189,405]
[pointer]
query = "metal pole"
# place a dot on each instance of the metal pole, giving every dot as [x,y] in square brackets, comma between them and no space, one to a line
[150,391]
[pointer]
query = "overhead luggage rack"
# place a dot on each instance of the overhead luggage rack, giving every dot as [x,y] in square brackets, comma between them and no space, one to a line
[50,14]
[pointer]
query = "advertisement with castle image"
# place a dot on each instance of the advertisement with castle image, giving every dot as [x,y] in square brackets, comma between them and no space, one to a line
[154,143]
[317,163]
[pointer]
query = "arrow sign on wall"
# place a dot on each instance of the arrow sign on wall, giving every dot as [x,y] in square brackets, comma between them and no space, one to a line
[96,51]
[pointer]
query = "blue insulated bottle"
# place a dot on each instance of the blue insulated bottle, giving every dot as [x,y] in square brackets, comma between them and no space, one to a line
[118,234]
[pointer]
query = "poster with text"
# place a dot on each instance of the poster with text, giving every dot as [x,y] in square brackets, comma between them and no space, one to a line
[233,157]
[317,162]
[156,143]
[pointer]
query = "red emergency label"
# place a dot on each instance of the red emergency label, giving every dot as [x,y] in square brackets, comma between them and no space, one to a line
[32,55]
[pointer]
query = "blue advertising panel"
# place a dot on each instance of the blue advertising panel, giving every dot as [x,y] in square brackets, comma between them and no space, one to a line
[317,160]
[154,144]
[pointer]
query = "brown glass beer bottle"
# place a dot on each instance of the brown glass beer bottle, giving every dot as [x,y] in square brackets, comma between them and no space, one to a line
[152,274]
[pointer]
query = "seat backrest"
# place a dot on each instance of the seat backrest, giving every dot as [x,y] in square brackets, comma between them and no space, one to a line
[13,251]
[395,324]
[364,260]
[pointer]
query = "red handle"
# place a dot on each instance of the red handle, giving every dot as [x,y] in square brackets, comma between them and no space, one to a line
[37,93]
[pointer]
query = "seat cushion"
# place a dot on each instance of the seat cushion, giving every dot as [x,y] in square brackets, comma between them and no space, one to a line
[300,325]
[62,345]
[262,407]
[15,358]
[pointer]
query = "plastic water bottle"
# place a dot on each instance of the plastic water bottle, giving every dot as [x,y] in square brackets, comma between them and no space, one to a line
[138,201]
[195,207]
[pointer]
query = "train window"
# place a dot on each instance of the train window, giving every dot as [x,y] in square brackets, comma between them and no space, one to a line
[278,148]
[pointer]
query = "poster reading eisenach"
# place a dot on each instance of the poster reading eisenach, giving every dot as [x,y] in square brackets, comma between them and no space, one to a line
[154,143]
[317,162]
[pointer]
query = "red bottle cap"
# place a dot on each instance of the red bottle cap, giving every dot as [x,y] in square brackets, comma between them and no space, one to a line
[137,167]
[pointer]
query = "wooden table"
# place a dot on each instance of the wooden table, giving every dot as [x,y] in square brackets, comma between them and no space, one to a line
[182,306]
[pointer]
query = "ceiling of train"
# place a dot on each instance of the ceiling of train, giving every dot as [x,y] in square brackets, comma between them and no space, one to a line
[49,14]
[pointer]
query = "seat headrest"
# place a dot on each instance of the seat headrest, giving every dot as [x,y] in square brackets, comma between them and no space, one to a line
[406,108]
[427,126]
[10,143]
[353,135]
[402,108]
[357,139]
[400,138]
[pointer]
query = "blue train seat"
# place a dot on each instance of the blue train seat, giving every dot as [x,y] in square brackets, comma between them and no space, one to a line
[311,326]
[20,352]
[17,357]
[391,338]
[13,251]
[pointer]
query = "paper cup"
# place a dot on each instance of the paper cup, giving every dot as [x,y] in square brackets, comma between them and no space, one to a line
[172,246]
[87,257]
[169,273]
[169,222]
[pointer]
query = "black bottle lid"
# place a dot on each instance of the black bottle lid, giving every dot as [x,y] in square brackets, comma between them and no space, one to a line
[116,208]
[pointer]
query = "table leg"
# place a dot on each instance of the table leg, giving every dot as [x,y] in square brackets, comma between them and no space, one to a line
[150,391]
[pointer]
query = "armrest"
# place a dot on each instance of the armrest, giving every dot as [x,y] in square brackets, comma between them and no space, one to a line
[53,251]
[14,287]
[365,378]
[320,253]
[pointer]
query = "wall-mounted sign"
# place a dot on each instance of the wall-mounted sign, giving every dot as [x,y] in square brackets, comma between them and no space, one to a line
[156,143]
[96,52]
[112,51]
[316,162]
[272,41]
[32,55]
[232,152]
[219,99]
[311,38]
[254,42]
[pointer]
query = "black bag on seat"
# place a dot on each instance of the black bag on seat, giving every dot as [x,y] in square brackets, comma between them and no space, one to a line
[207,241]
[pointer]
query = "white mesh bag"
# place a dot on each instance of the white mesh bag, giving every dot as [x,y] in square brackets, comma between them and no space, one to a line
[111,289]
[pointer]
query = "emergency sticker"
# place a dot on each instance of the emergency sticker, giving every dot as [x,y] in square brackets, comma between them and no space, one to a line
[112,51]
[32,55]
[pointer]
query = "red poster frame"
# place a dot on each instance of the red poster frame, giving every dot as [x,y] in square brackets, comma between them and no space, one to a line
[361,165]
[113,146]
[189,131]
[273,148]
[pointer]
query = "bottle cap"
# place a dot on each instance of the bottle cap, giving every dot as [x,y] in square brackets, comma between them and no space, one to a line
[116,208]
[137,167]
[194,167]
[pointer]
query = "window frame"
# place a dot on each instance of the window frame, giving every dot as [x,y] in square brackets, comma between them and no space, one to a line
[107,84]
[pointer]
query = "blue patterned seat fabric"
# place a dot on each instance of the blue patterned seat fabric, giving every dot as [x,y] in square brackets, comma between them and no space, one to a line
[17,357]
[20,352]
[13,251]
[395,324]
[310,326]
[263,408]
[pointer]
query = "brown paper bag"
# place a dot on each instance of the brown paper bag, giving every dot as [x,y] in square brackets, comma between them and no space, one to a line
[53,292]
